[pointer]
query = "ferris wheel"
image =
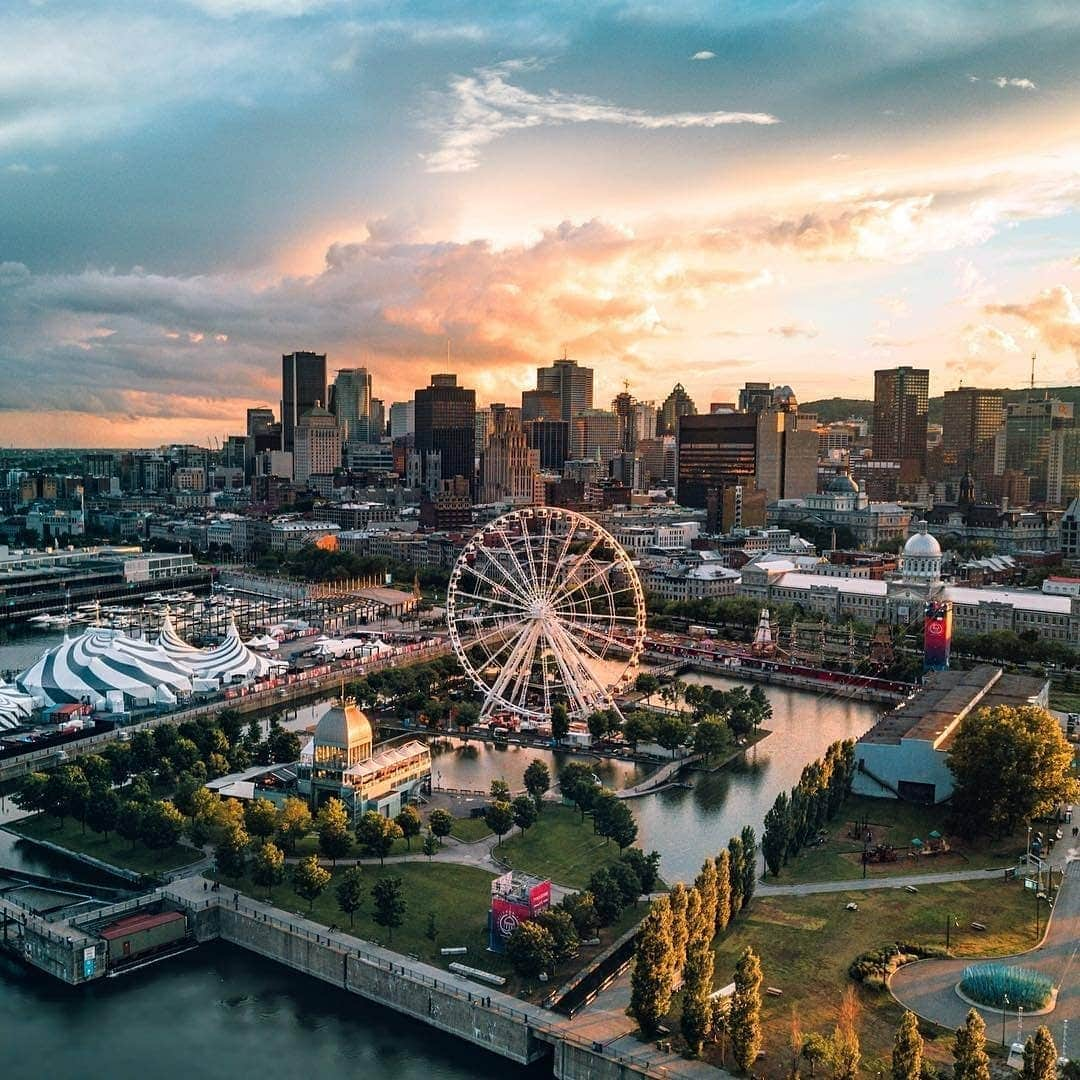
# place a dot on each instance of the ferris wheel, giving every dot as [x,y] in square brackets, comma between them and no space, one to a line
[545,606]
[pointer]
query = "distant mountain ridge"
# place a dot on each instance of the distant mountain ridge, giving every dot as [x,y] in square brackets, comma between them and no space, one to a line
[839,408]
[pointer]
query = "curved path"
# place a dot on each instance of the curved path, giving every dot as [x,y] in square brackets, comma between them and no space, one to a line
[928,987]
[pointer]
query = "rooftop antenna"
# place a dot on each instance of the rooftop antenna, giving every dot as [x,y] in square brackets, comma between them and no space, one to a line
[564,356]
[1033,371]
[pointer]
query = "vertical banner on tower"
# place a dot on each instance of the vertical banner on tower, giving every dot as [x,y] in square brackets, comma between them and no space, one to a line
[937,635]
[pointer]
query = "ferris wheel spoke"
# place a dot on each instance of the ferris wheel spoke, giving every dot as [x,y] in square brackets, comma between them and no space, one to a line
[606,568]
[584,677]
[514,605]
[534,578]
[570,680]
[513,584]
[592,632]
[488,635]
[522,648]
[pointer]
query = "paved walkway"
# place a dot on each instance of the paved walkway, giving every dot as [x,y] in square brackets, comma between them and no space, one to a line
[897,881]
[928,987]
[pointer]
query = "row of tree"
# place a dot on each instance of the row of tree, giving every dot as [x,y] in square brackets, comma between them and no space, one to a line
[675,941]
[795,818]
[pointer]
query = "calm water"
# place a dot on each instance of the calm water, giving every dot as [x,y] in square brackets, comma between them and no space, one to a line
[241,1013]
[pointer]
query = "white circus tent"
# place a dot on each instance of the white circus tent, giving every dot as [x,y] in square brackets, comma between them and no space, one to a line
[15,706]
[100,660]
[231,659]
[169,640]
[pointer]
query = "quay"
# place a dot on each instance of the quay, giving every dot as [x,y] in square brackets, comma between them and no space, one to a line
[74,951]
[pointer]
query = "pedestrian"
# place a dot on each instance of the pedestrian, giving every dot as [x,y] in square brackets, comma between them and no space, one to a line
[205,886]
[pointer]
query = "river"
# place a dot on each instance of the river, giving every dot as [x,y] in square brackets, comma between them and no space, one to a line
[241,1014]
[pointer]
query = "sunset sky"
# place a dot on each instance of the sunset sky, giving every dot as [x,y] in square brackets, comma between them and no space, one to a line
[703,192]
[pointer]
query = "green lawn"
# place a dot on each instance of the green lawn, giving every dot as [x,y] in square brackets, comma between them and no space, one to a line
[309,845]
[1064,700]
[469,830]
[807,943]
[896,823]
[114,850]
[559,846]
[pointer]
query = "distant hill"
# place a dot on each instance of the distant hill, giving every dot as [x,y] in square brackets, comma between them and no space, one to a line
[838,408]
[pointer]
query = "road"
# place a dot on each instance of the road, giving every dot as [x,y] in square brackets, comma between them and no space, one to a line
[928,987]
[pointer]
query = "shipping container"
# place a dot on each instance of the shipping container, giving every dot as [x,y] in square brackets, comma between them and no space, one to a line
[143,933]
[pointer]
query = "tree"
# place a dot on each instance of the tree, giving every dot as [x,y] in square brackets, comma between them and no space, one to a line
[629,884]
[671,732]
[440,822]
[129,822]
[603,810]
[744,1018]
[332,823]
[761,707]
[537,781]
[431,844]
[96,770]
[581,907]
[1010,765]
[500,818]
[735,873]
[705,886]
[723,890]
[500,791]
[564,936]
[31,794]
[777,835]
[970,1061]
[679,900]
[697,986]
[647,867]
[350,892]
[749,864]
[531,949]
[524,811]
[1040,1057]
[310,879]
[647,684]
[638,728]
[118,755]
[261,818]
[389,900]
[578,784]
[410,824]
[66,793]
[607,896]
[845,1053]
[162,825]
[817,1049]
[294,821]
[268,866]
[907,1049]
[560,722]
[466,714]
[621,826]
[652,978]
[103,811]
[710,736]
[144,751]
[376,834]
[284,746]
[230,852]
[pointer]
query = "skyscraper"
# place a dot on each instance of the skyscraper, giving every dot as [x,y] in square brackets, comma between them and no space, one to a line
[677,403]
[786,456]
[317,445]
[901,401]
[594,434]
[551,439]
[508,464]
[351,404]
[1031,429]
[303,386]
[402,419]
[259,421]
[446,424]
[573,385]
[713,451]
[972,419]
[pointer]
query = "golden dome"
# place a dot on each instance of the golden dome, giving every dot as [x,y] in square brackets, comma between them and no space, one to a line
[344,726]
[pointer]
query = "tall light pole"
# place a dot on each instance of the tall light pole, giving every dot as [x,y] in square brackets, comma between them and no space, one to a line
[950,921]
[1004,1009]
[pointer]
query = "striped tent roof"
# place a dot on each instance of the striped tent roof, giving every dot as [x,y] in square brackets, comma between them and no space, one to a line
[100,660]
[15,706]
[169,640]
[230,659]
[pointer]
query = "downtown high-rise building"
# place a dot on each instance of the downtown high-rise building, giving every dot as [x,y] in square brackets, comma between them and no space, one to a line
[350,402]
[570,383]
[402,419]
[446,425]
[901,403]
[972,418]
[259,421]
[509,466]
[303,386]
[317,445]
[677,403]
[1035,446]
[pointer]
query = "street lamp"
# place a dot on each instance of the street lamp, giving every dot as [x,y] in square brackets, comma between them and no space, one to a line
[950,921]
[1039,897]
[1004,1009]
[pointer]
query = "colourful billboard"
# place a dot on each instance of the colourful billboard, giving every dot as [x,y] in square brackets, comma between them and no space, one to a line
[937,635]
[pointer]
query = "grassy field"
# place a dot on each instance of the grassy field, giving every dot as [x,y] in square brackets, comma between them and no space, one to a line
[457,896]
[896,823]
[114,850]
[1064,700]
[807,943]
[559,846]
[469,830]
